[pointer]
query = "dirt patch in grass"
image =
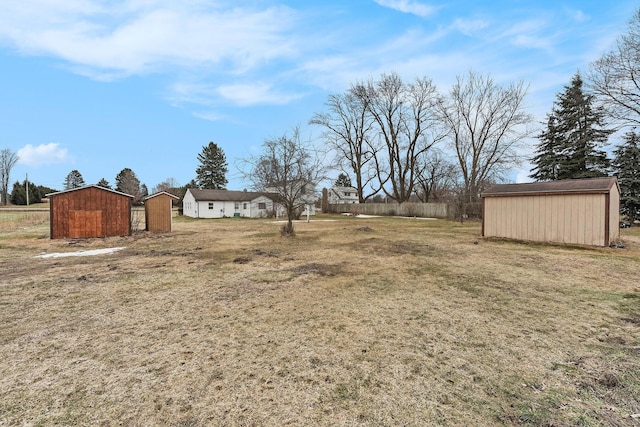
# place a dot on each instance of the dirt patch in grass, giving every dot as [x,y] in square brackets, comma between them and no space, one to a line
[224,322]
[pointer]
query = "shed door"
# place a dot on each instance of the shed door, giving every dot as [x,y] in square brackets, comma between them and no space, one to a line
[85,224]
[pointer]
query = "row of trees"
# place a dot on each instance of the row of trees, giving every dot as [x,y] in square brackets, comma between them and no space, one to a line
[126,182]
[406,139]
[385,132]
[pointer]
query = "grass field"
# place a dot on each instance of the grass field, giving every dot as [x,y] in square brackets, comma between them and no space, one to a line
[365,322]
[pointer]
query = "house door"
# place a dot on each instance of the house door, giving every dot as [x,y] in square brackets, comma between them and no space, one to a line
[85,224]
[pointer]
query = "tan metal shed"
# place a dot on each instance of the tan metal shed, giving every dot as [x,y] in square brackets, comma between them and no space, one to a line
[158,212]
[574,211]
[90,211]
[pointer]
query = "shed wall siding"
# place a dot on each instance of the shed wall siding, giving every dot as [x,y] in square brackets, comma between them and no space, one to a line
[574,219]
[158,215]
[90,212]
[614,215]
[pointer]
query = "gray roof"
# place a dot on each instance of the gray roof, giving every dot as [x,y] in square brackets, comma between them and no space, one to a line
[205,195]
[344,189]
[566,186]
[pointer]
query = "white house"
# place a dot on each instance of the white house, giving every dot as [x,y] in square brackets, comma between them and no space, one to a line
[343,195]
[205,203]
[306,199]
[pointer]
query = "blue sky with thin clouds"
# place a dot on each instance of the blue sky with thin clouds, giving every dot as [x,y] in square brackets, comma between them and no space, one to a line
[100,85]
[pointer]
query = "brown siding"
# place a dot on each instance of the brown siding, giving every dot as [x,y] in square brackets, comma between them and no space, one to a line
[90,212]
[157,211]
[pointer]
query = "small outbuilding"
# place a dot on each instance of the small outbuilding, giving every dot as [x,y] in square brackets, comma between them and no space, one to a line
[575,211]
[90,211]
[158,210]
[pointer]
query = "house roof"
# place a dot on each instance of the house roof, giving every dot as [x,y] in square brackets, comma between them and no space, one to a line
[173,196]
[567,186]
[89,186]
[344,189]
[205,195]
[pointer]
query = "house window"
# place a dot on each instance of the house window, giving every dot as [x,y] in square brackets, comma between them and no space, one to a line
[237,205]
[262,206]
[347,194]
[244,206]
[211,205]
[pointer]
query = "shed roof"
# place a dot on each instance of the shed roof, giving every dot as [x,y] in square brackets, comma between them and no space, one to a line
[205,195]
[566,186]
[160,193]
[88,186]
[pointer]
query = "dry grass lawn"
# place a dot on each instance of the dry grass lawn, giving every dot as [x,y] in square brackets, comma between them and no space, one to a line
[363,322]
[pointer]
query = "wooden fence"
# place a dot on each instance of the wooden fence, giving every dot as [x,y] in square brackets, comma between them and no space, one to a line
[422,210]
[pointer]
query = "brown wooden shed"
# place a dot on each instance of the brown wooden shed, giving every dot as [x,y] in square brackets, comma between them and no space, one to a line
[158,212]
[574,211]
[90,211]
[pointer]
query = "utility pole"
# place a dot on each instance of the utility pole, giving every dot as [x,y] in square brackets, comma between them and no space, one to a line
[26,184]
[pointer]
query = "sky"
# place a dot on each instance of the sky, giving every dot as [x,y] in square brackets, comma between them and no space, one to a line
[103,85]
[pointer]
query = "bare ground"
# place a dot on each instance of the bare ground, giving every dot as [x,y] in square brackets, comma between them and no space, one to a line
[353,322]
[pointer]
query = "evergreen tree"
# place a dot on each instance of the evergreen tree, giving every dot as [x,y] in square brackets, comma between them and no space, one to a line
[45,190]
[626,166]
[144,191]
[343,180]
[127,182]
[548,158]
[19,193]
[104,183]
[213,168]
[570,145]
[73,180]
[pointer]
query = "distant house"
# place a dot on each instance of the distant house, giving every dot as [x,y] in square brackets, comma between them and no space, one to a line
[343,195]
[89,211]
[575,211]
[158,213]
[204,203]
[306,199]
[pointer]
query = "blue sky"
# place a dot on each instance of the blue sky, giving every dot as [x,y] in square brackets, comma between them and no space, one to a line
[100,85]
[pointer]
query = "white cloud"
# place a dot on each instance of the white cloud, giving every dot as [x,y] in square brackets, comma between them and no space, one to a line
[43,154]
[407,6]
[470,26]
[577,15]
[254,94]
[112,39]
[211,116]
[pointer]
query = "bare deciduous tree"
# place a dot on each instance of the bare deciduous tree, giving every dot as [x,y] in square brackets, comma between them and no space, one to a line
[407,125]
[486,122]
[166,185]
[436,176]
[288,167]
[615,77]
[348,131]
[8,160]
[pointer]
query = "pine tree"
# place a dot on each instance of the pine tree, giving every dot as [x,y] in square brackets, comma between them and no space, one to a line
[73,180]
[570,145]
[343,180]
[104,183]
[548,158]
[626,166]
[127,182]
[213,168]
